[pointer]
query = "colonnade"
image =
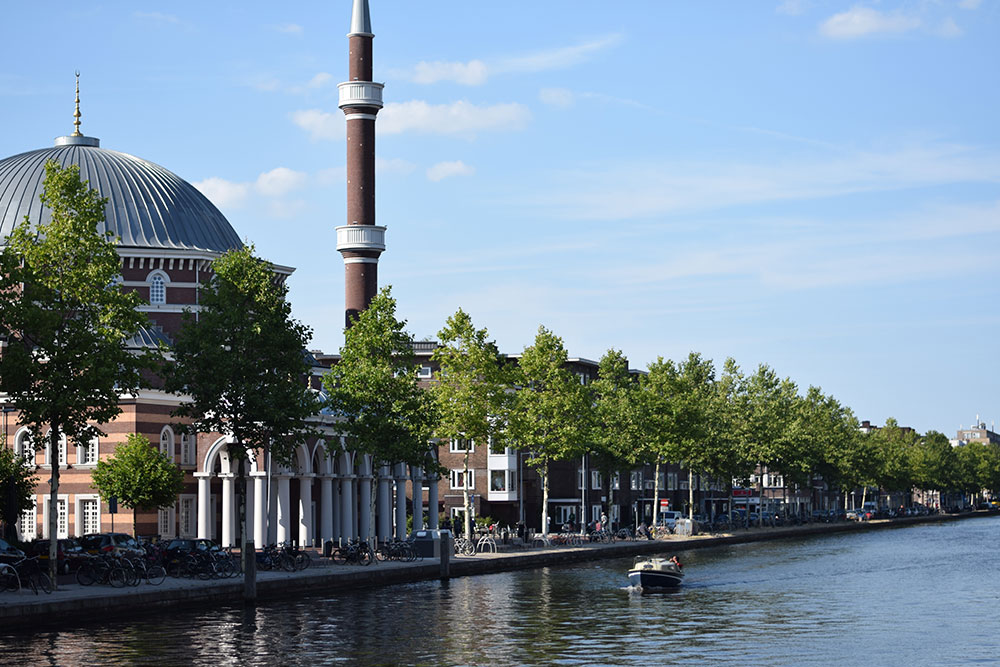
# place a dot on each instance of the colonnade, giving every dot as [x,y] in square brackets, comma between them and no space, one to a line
[343,507]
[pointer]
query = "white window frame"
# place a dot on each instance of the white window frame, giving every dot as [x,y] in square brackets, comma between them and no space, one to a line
[596,480]
[81,527]
[167,518]
[455,478]
[88,453]
[595,513]
[580,477]
[188,525]
[161,279]
[188,449]
[62,531]
[672,481]
[23,446]
[27,523]
[167,442]
[425,373]
[455,446]
[62,450]
[635,480]
[502,474]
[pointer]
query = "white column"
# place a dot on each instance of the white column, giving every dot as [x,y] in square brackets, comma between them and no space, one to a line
[305,510]
[284,532]
[347,508]
[417,476]
[365,507]
[204,503]
[338,527]
[401,502]
[259,512]
[246,532]
[384,505]
[272,511]
[326,509]
[228,508]
[432,502]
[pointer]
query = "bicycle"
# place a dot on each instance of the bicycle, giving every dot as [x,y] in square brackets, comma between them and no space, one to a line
[31,575]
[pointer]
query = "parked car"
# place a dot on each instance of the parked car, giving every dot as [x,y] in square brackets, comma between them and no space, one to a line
[104,543]
[177,549]
[70,554]
[9,553]
[669,518]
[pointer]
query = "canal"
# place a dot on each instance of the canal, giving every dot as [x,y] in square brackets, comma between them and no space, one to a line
[917,595]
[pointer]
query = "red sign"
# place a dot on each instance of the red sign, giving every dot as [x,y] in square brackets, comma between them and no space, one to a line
[664,504]
[745,493]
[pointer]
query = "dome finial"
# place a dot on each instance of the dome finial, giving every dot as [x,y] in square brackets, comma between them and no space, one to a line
[76,114]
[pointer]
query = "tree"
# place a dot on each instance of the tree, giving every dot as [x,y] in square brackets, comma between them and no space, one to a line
[17,488]
[894,445]
[242,362]
[374,389]
[139,476]
[613,418]
[770,405]
[471,391]
[67,323]
[550,411]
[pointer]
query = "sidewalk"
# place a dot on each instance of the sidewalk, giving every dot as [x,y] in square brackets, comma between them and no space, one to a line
[72,601]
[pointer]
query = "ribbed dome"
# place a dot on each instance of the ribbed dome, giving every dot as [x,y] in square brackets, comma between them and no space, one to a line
[148,206]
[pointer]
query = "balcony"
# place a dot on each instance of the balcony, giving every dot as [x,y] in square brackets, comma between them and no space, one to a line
[360,237]
[360,94]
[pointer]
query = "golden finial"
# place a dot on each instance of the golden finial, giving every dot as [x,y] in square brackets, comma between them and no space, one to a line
[76,114]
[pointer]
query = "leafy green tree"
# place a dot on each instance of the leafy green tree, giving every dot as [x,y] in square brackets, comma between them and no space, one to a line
[770,407]
[17,488]
[933,463]
[374,389]
[139,476]
[696,380]
[551,410]
[893,446]
[242,363]
[659,394]
[472,391]
[67,323]
[612,427]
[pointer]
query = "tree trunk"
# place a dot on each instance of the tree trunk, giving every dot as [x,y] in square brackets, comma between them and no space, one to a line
[656,492]
[466,501]
[247,549]
[690,494]
[54,503]
[545,498]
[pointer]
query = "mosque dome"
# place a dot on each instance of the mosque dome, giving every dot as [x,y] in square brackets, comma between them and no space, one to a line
[148,206]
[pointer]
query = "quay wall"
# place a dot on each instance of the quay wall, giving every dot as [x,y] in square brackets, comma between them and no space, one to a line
[76,604]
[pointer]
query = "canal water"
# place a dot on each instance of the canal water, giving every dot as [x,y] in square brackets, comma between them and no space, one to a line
[920,595]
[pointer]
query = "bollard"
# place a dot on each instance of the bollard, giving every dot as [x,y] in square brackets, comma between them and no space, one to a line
[445,554]
[249,572]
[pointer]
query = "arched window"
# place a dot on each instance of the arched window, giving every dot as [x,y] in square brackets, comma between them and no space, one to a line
[62,450]
[167,442]
[187,449]
[157,289]
[23,447]
[87,453]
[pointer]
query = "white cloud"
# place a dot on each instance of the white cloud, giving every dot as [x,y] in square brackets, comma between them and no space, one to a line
[393,166]
[863,21]
[949,28]
[223,193]
[558,58]
[320,80]
[556,97]
[320,124]
[472,73]
[970,4]
[459,118]
[289,28]
[443,170]
[279,181]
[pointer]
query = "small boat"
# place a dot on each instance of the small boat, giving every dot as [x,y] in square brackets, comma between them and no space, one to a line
[649,572]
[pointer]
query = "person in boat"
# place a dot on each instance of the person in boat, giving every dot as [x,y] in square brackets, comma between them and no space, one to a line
[673,559]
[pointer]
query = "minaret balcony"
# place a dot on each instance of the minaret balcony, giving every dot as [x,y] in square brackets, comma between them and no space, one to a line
[360,94]
[360,237]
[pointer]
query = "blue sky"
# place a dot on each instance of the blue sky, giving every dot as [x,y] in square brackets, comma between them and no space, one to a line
[813,185]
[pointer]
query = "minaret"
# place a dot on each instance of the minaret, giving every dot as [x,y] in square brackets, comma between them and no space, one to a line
[360,241]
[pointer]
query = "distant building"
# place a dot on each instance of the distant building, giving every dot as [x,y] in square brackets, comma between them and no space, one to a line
[976,433]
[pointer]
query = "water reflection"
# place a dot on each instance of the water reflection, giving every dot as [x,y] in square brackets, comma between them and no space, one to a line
[919,595]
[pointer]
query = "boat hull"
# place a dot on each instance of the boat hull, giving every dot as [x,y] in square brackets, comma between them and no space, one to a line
[654,579]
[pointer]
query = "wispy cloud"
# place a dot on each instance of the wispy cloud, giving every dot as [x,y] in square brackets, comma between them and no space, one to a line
[443,170]
[321,125]
[457,118]
[270,187]
[223,193]
[476,72]
[289,28]
[633,190]
[279,181]
[393,166]
[791,7]
[861,21]
[557,97]
[270,84]
[949,28]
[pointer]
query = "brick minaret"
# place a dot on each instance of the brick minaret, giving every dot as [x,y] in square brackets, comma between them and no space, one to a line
[360,241]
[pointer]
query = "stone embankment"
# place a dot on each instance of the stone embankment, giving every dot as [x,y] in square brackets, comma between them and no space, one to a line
[72,602]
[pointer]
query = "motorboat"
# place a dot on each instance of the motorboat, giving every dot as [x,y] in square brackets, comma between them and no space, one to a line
[647,572]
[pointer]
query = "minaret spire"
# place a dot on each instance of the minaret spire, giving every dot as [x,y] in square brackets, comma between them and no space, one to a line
[360,241]
[76,114]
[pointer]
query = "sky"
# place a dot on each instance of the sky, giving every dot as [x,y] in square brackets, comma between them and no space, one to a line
[809,184]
